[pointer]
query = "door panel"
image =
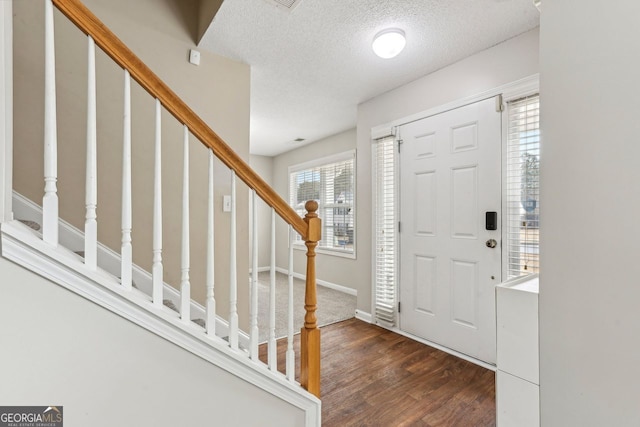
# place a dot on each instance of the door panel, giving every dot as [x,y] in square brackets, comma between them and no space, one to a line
[426,203]
[464,202]
[449,177]
[426,271]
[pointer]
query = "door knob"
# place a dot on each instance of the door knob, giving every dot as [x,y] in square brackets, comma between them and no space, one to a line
[491,243]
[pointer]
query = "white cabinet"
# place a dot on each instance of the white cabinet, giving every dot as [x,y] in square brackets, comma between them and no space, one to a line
[517,382]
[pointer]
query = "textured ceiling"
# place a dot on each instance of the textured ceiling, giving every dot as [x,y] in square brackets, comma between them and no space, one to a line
[312,66]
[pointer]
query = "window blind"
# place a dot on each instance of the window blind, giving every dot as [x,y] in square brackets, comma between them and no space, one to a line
[385,231]
[330,182]
[523,186]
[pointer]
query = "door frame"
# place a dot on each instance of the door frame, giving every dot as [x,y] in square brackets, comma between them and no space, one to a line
[511,91]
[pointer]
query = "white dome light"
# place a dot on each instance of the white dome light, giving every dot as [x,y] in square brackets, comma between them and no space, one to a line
[389,43]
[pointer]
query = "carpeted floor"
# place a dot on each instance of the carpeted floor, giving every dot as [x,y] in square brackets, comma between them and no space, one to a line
[333,306]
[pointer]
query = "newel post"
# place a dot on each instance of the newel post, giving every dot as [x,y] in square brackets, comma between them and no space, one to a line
[310,334]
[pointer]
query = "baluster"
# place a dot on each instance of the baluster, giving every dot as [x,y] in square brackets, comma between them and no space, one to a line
[50,199]
[211,301]
[185,286]
[126,249]
[157,269]
[273,354]
[255,333]
[310,334]
[291,356]
[233,279]
[91,185]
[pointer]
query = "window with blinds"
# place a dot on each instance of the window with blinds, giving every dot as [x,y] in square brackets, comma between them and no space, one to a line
[330,182]
[384,168]
[523,186]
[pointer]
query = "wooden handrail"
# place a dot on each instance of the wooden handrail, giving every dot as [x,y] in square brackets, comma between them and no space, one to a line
[89,24]
[309,227]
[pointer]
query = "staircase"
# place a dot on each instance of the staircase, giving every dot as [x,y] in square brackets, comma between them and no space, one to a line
[34,235]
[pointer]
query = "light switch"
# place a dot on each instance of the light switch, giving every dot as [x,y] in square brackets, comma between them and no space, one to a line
[226,204]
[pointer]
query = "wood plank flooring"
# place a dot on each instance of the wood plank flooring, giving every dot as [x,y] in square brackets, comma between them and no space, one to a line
[374,377]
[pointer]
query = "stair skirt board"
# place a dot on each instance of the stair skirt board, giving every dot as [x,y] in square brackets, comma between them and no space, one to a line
[24,246]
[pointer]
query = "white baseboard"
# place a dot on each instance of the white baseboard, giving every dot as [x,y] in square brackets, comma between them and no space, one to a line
[364,316]
[324,283]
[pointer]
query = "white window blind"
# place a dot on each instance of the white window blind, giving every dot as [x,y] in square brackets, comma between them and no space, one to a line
[523,186]
[385,231]
[330,182]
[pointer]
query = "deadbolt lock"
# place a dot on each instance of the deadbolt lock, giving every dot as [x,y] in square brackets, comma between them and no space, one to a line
[491,243]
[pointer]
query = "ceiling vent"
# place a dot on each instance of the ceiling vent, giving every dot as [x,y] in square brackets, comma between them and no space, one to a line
[284,4]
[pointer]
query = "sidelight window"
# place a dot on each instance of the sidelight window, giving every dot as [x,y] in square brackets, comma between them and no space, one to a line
[523,186]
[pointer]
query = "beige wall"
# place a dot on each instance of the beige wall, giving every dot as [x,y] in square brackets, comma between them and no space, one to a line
[590,200]
[505,63]
[161,32]
[263,165]
[333,269]
[207,11]
[108,372]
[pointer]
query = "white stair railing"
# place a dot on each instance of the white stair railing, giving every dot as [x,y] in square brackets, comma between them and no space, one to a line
[255,332]
[273,351]
[91,185]
[50,199]
[291,356]
[233,271]
[239,341]
[211,301]
[185,285]
[126,249]
[157,270]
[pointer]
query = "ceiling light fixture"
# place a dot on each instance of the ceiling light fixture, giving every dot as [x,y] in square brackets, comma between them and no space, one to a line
[389,43]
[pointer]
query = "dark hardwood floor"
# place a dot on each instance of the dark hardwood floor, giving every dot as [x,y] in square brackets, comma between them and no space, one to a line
[374,377]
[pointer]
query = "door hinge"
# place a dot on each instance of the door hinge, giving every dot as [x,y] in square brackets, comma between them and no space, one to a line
[400,142]
[398,306]
[399,227]
[499,105]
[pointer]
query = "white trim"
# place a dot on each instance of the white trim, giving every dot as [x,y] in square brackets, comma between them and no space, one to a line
[382,132]
[323,283]
[364,316]
[333,158]
[6,110]
[374,184]
[62,266]
[508,91]
[441,348]
[525,89]
[372,189]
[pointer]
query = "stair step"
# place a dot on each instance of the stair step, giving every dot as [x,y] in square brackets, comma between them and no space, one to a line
[31,224]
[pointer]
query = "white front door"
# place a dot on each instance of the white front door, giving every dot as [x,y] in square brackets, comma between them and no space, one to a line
[450,177]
